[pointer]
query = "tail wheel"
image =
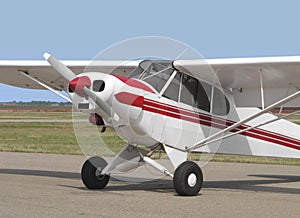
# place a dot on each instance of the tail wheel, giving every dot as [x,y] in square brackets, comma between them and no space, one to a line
[188,179]
[91,173]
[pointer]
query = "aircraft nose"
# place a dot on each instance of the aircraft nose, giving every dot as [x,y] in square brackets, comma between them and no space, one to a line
[77,85]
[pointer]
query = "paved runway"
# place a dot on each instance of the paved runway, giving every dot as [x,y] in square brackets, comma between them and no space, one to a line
[43,185]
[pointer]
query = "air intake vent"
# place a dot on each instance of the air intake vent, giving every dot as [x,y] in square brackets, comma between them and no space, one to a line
[83,106]
[98,85]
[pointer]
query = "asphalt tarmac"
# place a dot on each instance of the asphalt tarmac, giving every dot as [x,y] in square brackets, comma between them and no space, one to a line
[45,185]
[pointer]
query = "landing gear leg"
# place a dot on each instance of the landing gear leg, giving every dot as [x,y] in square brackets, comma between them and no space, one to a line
[188,179]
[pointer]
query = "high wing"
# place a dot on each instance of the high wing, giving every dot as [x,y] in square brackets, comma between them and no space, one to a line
[245,77]
[278,72]
[42,71]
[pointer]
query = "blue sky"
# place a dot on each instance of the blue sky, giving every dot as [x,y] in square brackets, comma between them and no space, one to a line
[80,29]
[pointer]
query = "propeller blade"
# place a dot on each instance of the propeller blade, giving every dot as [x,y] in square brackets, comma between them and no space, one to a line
[104,107]
[62,69]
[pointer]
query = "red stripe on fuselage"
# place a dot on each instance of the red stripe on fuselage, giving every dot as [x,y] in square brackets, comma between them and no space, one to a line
[130,99]
[211,121]
[222,123]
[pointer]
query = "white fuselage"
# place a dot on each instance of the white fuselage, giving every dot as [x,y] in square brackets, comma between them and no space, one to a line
[144,117]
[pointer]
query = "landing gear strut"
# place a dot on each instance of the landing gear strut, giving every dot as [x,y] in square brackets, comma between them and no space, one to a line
[187,179]
[91,173]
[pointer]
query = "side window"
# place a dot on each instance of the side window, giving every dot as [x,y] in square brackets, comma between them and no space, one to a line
[188,90]
[172,92]
[220,105]
[203,92]
[207,88]
[195,93]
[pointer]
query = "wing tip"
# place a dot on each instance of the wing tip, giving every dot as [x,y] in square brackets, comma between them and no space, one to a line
[46,55]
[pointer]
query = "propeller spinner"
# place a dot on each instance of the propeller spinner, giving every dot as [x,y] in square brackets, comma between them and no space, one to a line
[79,84]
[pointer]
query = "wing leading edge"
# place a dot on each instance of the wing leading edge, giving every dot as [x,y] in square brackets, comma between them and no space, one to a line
[41,70]
[280,76]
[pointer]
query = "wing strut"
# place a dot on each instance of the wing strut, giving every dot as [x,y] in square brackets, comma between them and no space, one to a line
[262,89]
[44,85]
[241,122]
[251,127]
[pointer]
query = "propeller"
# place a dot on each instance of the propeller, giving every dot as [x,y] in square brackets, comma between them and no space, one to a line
[105,107]
[60,67]
[81,85]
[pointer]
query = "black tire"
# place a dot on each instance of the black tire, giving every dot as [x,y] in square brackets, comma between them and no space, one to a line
[188,179]
[89,171]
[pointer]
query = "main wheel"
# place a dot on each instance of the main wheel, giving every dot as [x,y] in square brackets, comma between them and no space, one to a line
[188,179]
[91,173]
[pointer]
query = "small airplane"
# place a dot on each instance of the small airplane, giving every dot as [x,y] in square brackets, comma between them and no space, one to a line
[178,107]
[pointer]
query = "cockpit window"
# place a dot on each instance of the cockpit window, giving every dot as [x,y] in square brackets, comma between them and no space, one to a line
[183,87]
[172,92]
[193,93]
[154,73]
[157,75]
[220,104]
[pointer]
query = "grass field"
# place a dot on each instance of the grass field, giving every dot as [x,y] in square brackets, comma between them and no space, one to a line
[59,137]
[28,115]
[47,137]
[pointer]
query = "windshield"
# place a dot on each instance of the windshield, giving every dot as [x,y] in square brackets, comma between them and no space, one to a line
[155,73]
[183,87]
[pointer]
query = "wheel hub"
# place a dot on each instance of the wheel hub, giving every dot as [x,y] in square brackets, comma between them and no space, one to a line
[192,180]
[98,174]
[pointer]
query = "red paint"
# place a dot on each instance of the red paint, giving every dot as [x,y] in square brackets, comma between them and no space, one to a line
[221,122]
[207,120]
[130,99]
[95,119]
[135,83]
[78,84]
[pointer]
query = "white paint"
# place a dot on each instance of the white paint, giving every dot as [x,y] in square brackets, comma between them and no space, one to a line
[192,180]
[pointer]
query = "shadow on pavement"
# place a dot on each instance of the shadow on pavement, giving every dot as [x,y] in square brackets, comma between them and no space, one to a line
[166,185]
